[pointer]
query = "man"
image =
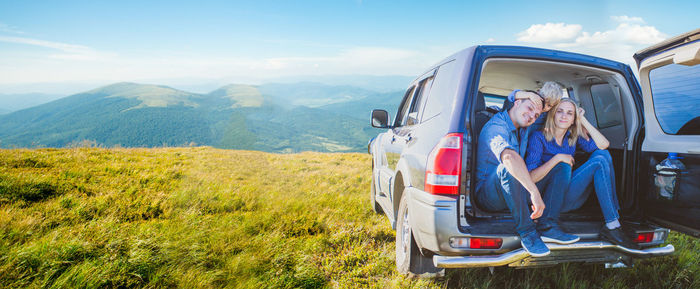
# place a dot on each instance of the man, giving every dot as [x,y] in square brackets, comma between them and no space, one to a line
[503,181]
[552,94]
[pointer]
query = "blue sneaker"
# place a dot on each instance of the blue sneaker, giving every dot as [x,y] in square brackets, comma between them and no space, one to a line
[555,235]
[532,243]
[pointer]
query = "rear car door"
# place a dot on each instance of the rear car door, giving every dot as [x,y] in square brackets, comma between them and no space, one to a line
[402,133]
[669,75]
[390,147]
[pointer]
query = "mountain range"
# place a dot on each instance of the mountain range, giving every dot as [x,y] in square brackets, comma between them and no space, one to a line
[276,117]
[17,101]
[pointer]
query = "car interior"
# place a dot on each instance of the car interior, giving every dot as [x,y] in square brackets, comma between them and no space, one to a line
[603,94]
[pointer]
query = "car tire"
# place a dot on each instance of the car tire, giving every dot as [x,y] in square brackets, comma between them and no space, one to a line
[373,198]
[409,260]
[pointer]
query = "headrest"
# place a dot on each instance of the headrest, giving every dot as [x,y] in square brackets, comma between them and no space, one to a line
[480,102]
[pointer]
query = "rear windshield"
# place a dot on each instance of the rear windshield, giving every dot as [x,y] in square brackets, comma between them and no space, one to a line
[494,100]
[675,92]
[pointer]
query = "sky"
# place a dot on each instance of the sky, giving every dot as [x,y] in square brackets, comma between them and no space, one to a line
[65,46]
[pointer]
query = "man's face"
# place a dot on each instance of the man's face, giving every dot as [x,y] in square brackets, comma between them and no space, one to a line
[527,111]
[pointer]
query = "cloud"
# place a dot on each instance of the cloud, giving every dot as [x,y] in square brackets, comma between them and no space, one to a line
[70,51]
[10,29]
[549,32]
[627,19]
[350,60]
[55,45]
[490,40]
[623,33]
[619,43]
[177,65]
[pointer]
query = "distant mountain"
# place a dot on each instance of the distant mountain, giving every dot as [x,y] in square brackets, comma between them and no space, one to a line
[268,118]
[124,114]
[312,94]
[240,94]
[361,108]
[14,102]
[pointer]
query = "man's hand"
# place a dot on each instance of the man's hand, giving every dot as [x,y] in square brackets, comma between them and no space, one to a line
[536,99]
[565,158]
[537,206]
[521,94]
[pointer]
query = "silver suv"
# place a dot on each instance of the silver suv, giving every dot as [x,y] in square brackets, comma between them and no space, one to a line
[423,166]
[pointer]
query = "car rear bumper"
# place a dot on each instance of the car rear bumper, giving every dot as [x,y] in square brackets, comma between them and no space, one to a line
[434,220]
[596,251]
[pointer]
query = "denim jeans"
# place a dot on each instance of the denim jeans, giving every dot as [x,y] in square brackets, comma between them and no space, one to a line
[553,188]
[599,171]
[502,191]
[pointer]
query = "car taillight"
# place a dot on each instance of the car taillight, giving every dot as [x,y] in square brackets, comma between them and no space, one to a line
[644,237]
[475,243]
[444,166]
[485,243]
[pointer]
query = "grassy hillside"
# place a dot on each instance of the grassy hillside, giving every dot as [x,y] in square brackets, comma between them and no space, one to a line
[211,218]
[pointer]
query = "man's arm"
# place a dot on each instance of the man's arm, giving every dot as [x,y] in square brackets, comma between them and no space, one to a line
[510,99]
[515,165]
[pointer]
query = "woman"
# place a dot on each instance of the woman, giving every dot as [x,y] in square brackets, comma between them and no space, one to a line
[557,143]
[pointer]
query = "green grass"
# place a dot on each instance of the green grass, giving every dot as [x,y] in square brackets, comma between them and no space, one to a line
[210,218]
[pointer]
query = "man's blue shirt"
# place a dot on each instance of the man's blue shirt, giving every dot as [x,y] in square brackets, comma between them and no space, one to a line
[498,134]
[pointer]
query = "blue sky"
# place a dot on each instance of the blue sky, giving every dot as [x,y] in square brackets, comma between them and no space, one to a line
[169,42]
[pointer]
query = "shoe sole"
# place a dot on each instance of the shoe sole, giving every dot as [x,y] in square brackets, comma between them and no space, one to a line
[550,240]
[534,254]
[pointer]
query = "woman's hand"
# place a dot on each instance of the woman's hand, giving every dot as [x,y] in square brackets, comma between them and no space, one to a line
[584,123]
[565,158]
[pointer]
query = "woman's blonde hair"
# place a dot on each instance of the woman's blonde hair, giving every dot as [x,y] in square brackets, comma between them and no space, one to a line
[575,128]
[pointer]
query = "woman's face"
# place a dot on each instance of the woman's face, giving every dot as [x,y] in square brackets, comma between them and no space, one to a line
[565,115]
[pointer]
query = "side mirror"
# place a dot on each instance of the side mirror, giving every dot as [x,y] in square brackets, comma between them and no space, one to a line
[380,118]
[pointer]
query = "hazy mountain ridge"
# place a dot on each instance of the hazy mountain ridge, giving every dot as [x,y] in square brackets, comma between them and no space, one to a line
[17,101]
[266,117]
[312,94]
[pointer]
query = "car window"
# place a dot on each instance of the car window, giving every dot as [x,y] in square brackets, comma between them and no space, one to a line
[421,96]
[675,93]
[606,106]
[494,100]
[440,90]
[570,93]
[402,114]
